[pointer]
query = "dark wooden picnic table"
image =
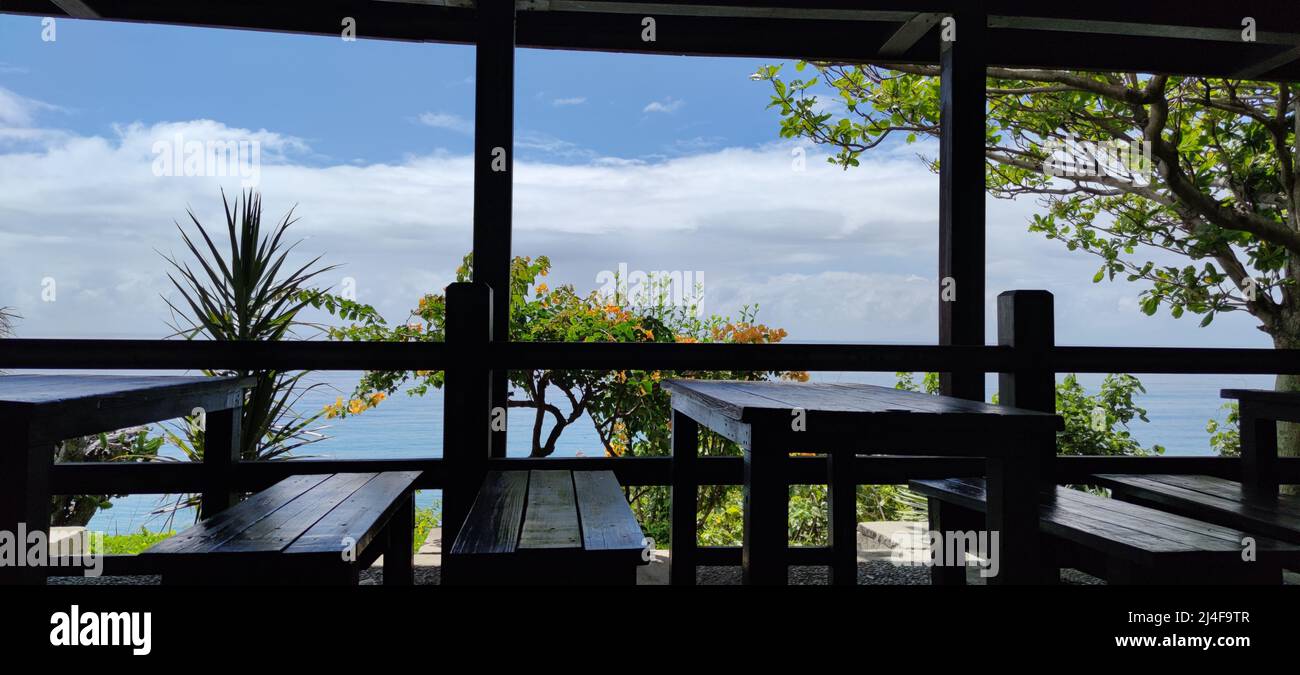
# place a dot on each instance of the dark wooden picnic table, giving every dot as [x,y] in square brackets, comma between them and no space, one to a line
[770,420]
[37,411]
[1259,411]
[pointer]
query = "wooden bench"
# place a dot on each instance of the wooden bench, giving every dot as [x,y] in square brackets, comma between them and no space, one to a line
[1116,540]
[547,527]
[1211,499]
[1253,503]
[309,529]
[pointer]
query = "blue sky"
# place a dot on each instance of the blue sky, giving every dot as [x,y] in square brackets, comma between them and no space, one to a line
[661,163]
[362,100]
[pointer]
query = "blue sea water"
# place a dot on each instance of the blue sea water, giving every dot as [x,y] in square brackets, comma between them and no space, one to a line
[1178,407]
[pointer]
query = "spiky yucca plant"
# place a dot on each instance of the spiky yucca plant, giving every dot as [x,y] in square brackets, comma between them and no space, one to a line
[247,293]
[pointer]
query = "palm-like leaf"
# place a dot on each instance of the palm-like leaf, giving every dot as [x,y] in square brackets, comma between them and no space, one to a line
[244,293]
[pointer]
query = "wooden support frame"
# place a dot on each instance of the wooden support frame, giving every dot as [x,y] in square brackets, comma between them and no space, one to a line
[221,454]
[961,197]
[24,489]
[467,436]
[494,119]
[77,9]
[685,499]
[909,34]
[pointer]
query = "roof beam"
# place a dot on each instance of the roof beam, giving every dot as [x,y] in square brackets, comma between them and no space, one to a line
[1266,65]
[1229,34]
[909,34]
[76,9]
[728,11]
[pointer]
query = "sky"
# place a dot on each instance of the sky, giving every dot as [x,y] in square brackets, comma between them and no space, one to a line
[653,162]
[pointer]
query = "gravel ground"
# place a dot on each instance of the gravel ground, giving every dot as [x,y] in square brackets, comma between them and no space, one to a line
[871,572]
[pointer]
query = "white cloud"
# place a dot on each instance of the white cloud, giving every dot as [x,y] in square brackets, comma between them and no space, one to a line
[827,254]
[576,100]
[19,111]
[447,121]
[667,105]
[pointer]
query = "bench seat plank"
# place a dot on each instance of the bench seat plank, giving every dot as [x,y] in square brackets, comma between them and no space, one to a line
[295,531]
[551,516]
[1129,531]
[497,514]
[1211,499]
[547,527]
[277,530]
[607,522]
[207,535]
[358,518]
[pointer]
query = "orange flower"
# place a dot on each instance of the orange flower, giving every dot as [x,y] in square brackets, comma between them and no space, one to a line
[542,288]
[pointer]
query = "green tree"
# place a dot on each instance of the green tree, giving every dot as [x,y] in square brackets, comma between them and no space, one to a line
[629,409]
[1210,225]
[1095,424]
[1225,436]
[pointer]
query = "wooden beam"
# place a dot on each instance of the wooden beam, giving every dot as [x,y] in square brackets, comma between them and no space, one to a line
[715,11]
[961,197]
[494,119]
[1229,33]
[1268,64]
[909,34]
[76,9]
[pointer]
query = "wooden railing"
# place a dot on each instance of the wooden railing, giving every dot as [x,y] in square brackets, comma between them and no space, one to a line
[1028,360]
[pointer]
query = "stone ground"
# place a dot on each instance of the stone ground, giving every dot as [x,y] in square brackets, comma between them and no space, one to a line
[878,549]
[875,567]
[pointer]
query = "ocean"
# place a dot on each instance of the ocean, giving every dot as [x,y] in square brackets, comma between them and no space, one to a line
[1178,407]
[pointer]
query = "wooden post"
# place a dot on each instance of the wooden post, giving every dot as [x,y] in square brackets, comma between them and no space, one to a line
[1017,483]
[1026,322]
[945,517]
[685,496]
[961,197]
[222,435]
[494,119]
[24,493]
[1259,478]
[842,498]
[767,510]
[399,549]
[467,404]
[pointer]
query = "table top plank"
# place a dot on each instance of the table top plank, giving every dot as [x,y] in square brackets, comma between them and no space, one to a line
[551,516]
[41,390]
[748,401]
[55,407]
